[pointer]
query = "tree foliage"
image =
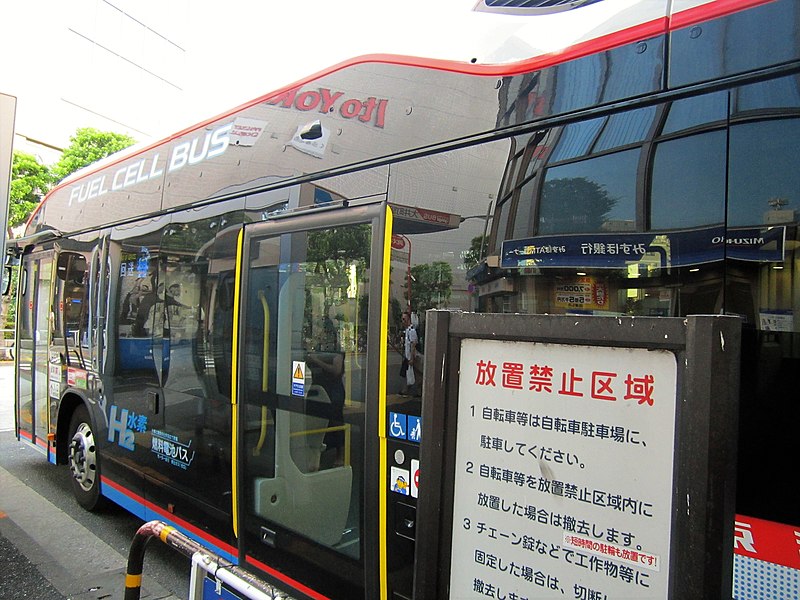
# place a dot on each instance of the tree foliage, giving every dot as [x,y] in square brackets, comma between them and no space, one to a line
[477,250]
[30,180]
[431,285]
[588,203]
[87,146]
[333,252]
[346,243]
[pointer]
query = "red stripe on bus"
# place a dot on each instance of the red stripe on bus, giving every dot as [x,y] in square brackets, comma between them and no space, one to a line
[210,539]
[203,535]
[287,580]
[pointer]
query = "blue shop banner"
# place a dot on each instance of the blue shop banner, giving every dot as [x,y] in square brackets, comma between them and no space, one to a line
[672,249]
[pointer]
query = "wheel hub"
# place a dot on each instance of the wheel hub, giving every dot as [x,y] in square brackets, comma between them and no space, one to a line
[83,457]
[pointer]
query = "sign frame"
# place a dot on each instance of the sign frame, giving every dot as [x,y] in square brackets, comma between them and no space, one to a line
[707,351]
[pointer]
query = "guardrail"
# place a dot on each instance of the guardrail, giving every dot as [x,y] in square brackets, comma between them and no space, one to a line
[236,580]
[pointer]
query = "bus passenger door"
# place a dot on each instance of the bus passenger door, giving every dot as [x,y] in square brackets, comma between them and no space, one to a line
[307,370]
[191,441]
[134,398]
[33,336]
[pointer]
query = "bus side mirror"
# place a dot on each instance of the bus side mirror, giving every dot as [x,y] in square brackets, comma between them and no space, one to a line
[11,260]
[6,280]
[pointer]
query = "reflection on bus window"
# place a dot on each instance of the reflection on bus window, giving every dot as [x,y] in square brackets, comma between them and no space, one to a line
[764,184]
[590,196]
[698,163]
[696,112]
[71,290]
[305,349]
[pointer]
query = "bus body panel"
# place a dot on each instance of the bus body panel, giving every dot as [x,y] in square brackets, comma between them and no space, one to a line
[648,169]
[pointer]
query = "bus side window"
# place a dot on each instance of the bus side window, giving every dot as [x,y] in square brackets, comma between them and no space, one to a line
[72,307]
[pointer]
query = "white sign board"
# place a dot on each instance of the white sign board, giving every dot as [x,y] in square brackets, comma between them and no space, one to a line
[245,132]
[564,471]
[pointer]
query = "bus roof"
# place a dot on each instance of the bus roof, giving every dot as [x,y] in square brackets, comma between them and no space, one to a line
[363,109]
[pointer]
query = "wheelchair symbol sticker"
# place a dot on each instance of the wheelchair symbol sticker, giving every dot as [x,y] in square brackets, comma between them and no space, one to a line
[398,425]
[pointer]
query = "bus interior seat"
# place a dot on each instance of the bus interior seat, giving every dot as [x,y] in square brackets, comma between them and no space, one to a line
[308,432]
[300,497]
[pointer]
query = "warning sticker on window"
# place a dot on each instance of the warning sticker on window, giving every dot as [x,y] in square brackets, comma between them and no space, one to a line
[298,378]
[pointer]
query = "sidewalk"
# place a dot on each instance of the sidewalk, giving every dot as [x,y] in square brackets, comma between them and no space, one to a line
[72,559]
[44,553]
[6,395]
[21,574]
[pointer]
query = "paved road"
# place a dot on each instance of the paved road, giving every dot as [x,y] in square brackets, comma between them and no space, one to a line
[50,549]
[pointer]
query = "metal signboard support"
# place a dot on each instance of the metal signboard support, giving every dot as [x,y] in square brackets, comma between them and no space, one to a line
[8,107]
[577,457]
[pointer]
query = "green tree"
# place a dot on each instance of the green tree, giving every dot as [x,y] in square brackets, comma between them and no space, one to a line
[89,145]
[431,285]
[574,205]
[477,250]
[30,180]
[346,243]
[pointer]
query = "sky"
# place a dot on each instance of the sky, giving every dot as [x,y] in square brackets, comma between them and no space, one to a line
[259,47]
[232,52]
[262,46]
[235,51]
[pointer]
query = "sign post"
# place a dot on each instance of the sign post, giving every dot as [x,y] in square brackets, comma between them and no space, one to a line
[8,106]
[584,458]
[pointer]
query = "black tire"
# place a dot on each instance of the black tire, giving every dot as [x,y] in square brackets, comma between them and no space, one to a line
[84,461]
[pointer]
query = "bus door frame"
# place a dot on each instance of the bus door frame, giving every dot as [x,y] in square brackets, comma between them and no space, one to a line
[29,275]
[378,216]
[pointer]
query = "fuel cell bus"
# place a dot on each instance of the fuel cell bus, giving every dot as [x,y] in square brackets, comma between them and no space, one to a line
[210,327]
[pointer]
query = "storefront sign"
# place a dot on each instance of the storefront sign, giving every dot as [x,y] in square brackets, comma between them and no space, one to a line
[671,249]
[369,110]
[504,285]
[433,219]
[583,293]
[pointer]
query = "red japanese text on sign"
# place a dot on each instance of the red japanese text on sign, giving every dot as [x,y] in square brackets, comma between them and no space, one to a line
[596,384]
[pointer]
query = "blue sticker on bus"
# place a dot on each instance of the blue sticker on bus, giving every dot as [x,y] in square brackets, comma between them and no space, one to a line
[414,429]
[398,426]
[213,591]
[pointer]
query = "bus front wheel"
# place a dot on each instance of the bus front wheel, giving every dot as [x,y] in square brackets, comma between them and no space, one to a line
[84,462]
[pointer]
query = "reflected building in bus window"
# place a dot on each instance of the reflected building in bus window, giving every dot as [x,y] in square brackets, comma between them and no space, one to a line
[686,207]
[592,209]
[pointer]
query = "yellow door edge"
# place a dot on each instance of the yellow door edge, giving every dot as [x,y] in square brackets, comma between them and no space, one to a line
[234,380]
[384,337]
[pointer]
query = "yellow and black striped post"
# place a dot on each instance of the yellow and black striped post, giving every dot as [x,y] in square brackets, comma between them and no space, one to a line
[246,582]
[169,535]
